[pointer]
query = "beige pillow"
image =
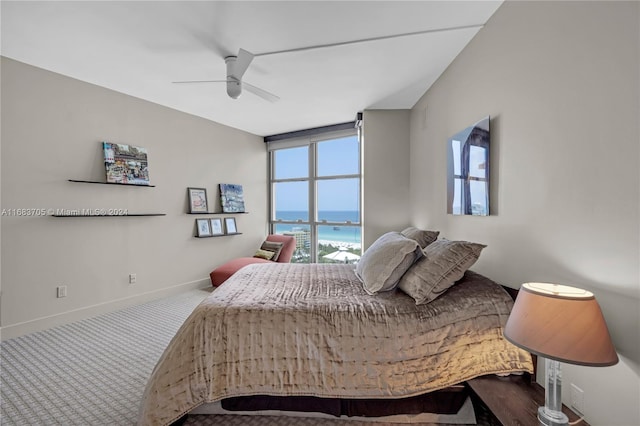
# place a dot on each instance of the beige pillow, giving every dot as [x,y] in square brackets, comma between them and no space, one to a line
[384,262]
[264,254]
[444,263]
[274,247]
[423,237]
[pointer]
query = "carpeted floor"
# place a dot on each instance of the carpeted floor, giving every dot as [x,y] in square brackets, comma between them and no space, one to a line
[93,372]
[90,372]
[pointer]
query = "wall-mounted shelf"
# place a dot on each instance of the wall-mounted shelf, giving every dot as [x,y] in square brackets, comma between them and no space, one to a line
[110,183]
[221,235]
[219,213]
[109,215]
[205,225]
[118,212]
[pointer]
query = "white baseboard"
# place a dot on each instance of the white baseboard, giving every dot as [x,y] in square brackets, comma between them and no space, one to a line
[38,324]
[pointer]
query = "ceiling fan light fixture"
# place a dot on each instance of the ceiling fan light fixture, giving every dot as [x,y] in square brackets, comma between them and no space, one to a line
[234,88]
[236,67]
[229,60]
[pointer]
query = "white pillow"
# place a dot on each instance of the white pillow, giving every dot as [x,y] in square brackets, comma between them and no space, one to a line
[385,261]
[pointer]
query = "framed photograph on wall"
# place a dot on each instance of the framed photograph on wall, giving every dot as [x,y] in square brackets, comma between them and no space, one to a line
[230,224]
[216,227]
[198,200]
[204,228]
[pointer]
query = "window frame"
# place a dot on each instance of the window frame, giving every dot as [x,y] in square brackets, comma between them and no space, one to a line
[312,179]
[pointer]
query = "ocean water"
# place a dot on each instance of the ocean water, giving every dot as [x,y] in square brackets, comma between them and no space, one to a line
[341,233]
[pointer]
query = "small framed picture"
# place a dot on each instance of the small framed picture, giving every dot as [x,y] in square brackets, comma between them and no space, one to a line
[216,227]
[204,227]
[230,224]
[198,200]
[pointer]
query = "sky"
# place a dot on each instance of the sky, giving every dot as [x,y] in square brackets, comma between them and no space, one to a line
[335,157]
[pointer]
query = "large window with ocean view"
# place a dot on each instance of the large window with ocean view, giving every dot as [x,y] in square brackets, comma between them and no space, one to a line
[315,196]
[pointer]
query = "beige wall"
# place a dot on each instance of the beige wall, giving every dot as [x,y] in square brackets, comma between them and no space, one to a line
[52,128]
[385,172]
[561,83]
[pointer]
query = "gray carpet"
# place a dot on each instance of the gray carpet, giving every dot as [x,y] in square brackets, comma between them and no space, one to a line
[93,372]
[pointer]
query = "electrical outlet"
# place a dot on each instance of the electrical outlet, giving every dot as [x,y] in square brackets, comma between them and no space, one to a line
[577,399]
[61,291]
[132,278]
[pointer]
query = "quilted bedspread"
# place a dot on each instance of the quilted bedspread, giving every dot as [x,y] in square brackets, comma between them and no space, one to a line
[310,329]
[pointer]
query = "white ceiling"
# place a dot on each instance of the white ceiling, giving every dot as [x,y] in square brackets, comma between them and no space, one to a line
[141,47]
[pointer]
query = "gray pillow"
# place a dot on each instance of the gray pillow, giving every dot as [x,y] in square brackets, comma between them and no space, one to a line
[274,247]
[444,263]
[385,261]
[423,237]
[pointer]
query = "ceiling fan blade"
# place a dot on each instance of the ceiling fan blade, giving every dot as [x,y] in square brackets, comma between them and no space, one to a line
[200,81]
[243,61]
[260,92]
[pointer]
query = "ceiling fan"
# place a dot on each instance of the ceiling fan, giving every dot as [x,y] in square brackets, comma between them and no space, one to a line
[236,67]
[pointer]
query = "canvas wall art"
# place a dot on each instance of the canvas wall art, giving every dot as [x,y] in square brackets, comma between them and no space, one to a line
[231,198]
[126,164]
[468,170]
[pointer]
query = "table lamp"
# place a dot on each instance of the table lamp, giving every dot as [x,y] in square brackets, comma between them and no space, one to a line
[561,324]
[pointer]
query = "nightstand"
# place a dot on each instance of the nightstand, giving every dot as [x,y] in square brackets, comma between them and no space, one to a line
[512,400]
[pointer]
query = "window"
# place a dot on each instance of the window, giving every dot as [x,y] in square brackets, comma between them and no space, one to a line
[315,196]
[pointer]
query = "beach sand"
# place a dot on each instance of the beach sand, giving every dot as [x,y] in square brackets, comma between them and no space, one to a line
[340,244]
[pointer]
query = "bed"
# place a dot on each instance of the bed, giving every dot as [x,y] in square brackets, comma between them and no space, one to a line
[311,331]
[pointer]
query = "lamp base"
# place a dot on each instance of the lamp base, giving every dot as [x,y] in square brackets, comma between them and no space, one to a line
[551,414]
[554,418]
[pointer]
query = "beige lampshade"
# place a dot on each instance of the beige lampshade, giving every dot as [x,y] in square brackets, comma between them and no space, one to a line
[561,323]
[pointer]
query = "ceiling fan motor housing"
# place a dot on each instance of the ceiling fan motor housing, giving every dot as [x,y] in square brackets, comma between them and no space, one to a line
[234,87]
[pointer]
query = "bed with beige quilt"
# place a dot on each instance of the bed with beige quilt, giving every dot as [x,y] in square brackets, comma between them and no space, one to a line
[312,330]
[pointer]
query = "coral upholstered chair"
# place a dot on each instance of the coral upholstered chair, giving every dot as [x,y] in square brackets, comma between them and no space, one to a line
[223,272]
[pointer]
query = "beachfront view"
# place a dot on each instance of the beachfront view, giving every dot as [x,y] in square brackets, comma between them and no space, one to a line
[316,199]
[338,242]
